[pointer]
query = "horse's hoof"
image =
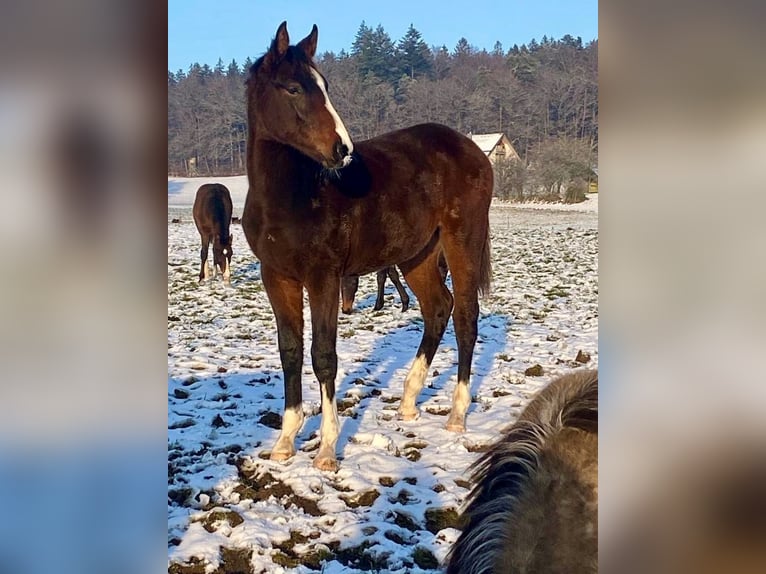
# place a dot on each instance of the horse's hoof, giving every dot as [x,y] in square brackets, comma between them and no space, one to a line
[325,463]
[455,426]
[409,416]
[281,456]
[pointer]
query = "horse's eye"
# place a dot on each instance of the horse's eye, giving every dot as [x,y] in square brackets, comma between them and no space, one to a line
[294,90]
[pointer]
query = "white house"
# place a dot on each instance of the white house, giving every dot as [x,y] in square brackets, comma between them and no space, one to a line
[495,146]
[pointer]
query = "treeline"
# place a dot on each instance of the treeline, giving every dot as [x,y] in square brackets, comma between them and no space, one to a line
[543,95]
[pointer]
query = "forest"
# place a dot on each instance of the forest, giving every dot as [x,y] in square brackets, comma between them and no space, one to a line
[543,95]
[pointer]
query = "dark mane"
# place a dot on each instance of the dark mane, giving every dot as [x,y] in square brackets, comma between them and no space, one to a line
[292,56]
[561,418]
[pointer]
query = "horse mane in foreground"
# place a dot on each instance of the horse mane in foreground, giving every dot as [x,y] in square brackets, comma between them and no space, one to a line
[534,506]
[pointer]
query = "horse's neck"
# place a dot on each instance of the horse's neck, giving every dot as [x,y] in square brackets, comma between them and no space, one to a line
[267,152]
[278,165]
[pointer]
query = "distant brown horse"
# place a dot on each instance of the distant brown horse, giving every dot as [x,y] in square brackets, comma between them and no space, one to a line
[534,506]
[212,215]
[350,284]
[320,206]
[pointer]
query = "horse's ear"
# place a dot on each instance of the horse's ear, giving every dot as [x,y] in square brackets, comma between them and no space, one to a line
[309,43]
[281,41]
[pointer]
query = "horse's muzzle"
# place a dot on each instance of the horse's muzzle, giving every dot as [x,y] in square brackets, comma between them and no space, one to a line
[340,155]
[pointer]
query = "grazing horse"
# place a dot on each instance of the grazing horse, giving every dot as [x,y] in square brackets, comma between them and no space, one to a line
[350,283]
[212,215]
[534,505]
[320,207]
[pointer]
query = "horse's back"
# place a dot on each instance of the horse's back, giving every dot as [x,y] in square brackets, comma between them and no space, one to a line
[418,180]
[415,151]
[212,207]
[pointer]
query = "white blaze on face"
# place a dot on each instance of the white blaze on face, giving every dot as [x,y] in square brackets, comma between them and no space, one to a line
[340,129]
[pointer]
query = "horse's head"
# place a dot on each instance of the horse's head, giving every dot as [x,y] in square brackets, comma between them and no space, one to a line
[288,100]
[222,253]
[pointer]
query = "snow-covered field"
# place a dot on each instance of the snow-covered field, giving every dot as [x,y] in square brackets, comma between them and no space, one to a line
[392,506]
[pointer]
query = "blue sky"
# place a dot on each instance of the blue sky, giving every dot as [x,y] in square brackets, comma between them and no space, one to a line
[204,30]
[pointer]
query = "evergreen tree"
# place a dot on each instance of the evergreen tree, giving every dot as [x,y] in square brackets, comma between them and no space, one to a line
[362,41]
[247,65]
[413,54]
[375,53]
[463,48]
[233,70]
[441,62]
[218,70]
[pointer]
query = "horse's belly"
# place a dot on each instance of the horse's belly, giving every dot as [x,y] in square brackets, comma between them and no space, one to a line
[368,255]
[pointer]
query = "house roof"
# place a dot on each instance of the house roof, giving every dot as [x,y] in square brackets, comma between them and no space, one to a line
[486,142]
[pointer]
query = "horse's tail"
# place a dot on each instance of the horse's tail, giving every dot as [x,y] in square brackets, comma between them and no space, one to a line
[507,471]
[485,267]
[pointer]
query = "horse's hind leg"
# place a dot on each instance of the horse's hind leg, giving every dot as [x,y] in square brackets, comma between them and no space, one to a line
[323,299]
[381,277]
[286,298]
[466,277]
[435,304]
[394,276]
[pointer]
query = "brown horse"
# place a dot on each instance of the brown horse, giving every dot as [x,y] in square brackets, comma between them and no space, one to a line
[320,206]
[350,284]
[212,215]
[534,506]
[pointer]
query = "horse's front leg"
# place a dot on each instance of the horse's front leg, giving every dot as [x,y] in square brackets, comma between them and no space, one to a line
[227,270]
[203,270]
[323,299]
[286,298]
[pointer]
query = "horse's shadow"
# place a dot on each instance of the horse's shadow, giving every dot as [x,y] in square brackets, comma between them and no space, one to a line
[382,369]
